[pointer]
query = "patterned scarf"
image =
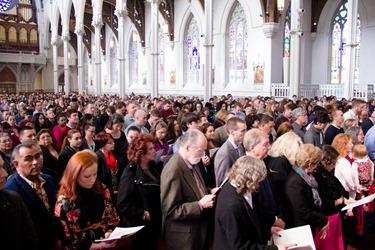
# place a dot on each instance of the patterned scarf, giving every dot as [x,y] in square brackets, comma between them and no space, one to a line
[309,179]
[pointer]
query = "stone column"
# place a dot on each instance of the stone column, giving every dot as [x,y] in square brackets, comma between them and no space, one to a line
[208,47]
[121,13]
[66,39]
[55,43]
[98,24]
[81,60]
[295,50]
[154,47]
[351,24]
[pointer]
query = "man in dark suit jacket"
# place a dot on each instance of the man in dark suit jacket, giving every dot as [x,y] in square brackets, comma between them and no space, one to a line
[184,198]
[231,150]
[257,145]
[38,191]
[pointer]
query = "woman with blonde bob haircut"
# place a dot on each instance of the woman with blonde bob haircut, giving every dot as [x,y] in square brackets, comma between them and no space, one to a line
[236,221]
[280,160]
[84,207]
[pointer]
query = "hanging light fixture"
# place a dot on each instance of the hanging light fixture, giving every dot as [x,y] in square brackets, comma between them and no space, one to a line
[6,5]
[280,5]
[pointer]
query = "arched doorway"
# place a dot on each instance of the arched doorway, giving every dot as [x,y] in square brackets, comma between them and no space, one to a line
[62,83]
[8,81]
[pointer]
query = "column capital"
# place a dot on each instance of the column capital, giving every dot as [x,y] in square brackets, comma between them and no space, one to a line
[66,37]
[270,29]
[79,32]
[55,41]
[98,24]
[121,12]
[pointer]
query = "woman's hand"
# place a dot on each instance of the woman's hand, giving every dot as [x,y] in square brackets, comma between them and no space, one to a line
[275,230]
[285,247]
[146,216]
[108,244]
[324,231]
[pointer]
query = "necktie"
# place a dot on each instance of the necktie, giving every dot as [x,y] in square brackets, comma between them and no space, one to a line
[200,186]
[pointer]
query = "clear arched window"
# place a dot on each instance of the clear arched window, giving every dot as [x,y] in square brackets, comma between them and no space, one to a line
[23,36]
[12,33]
[287,31]
[133,58]
[113,61]
[238,46]
[339,59]
[192,52]
[161,60]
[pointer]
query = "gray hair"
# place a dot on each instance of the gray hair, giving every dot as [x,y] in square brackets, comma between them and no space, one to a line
[190,137]
[252,138]
[353,132]
[298,112]
[16,150]
[115,118]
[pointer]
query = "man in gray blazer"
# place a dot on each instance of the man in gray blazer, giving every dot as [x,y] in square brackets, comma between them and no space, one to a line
[184,197]
[231,150]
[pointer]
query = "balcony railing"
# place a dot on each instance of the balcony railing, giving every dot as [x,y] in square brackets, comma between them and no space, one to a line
[361,91]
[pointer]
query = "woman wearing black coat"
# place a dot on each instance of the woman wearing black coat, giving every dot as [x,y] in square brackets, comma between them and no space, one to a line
[139,192]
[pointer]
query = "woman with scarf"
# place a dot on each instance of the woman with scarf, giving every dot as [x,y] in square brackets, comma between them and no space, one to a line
[302,192]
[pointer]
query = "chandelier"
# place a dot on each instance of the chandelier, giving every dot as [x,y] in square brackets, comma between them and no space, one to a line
[6,5]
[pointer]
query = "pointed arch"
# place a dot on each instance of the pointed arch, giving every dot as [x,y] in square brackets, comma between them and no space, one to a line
[192,52]
[237,46]
[134,46]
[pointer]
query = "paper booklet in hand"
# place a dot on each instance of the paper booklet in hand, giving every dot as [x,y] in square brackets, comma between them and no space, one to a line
[302,236]
[121,232]
[359,202]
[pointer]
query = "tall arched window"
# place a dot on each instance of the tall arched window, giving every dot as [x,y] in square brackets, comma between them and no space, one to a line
[161,67]
[133,58]
[339,40]
[238,46]
[287,31]
[192,52]
[114,62]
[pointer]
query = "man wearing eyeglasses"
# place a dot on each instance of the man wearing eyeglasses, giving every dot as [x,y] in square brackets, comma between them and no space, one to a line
[38,191]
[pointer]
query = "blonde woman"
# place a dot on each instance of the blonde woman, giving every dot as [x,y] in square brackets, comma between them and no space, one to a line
[281,158]
[235,216]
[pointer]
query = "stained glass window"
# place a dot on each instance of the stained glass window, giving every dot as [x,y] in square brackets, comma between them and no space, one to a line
[161,58]
[238,46]
[114,62]
[133,59]
[287,31]
[339,58]
[192,52]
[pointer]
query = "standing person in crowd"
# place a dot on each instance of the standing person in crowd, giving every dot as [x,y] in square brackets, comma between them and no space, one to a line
[38,191]
[184,198]
[61,123]
[167,110]
[314,135]
[27,118]
[209,132]
[173,131]
[50,118]
[221,133]
[252,121]
[231,150]
[159,131]
[333,196]
[50,155]
[90,109]
[88,137]
[302,192]
[237,225]
[17,226]
[343,171]
[13,127]
[6,149]
[39,121]
[129,117]
[356,134]
[299,118]
[139,192]
[154,117]
[271,109]
[113,127]
[367,124]
[348,123]
[72,144]
[84,207]
[267,124]
[107,163]
[284,128]
[72,117]
[363,167]
[335,127]
[286,116]
[27,134]
[139,121]
[123,160]
[220,118]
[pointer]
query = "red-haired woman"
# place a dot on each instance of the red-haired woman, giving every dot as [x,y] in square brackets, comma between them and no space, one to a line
[139,192]
[84,207]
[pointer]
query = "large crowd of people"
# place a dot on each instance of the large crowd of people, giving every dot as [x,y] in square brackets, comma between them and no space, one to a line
[223,174]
